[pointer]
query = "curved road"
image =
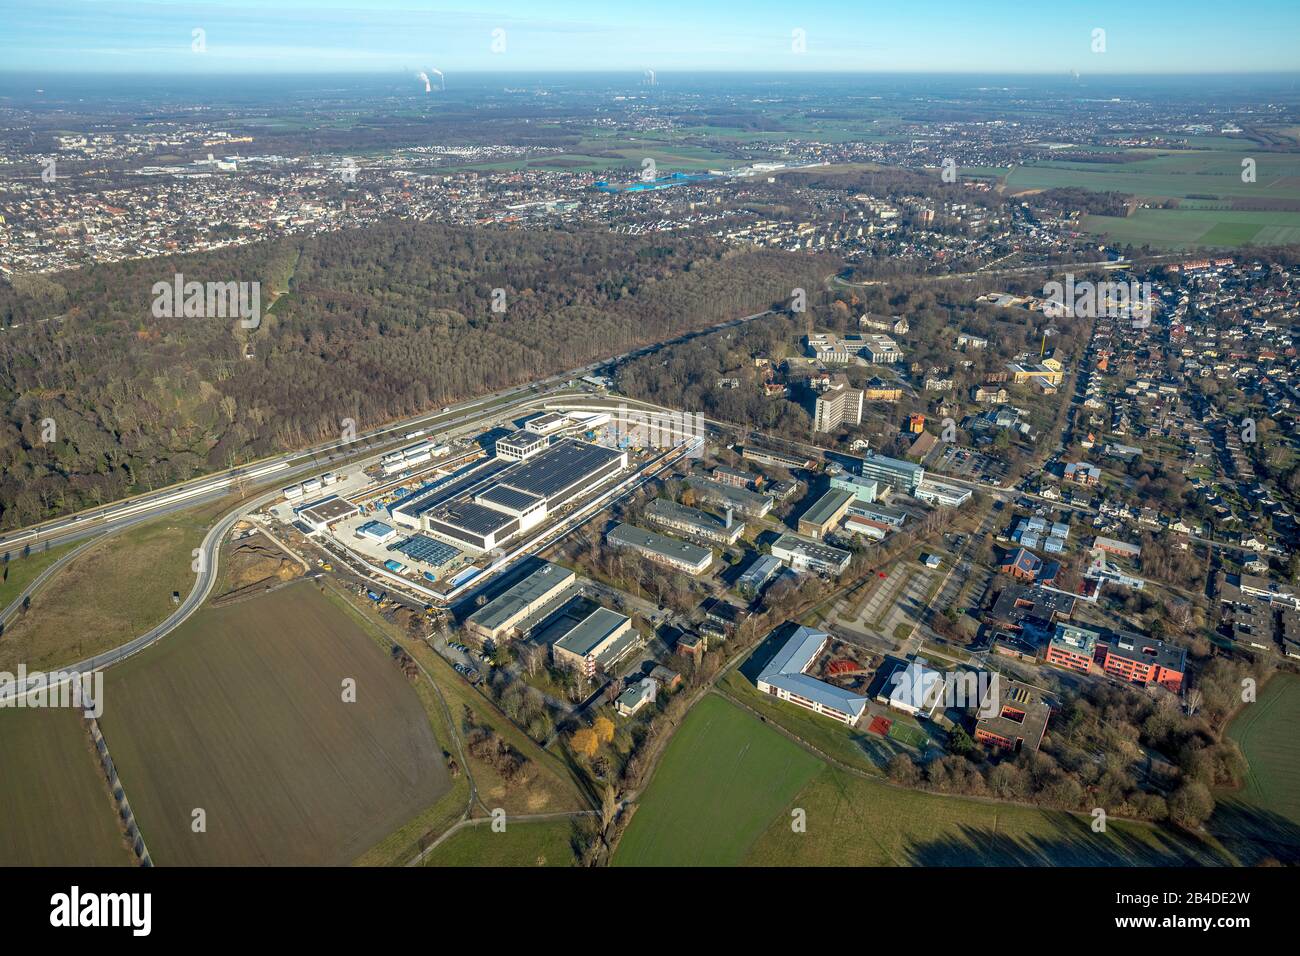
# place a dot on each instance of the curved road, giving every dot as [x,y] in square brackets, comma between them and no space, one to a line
[210,487]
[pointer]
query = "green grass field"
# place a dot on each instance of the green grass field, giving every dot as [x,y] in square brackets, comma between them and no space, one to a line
[240,712]
[1265,732]
[854,746]
[727,788]
[912,736]
[722,779]
[1189,228]
[852,821]
[1212,175]
[114,591]
[1170,175]
[1263,817]
[57,808]
[537,843]
[22,571]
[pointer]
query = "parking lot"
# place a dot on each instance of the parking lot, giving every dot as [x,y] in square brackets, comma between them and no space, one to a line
[966,463]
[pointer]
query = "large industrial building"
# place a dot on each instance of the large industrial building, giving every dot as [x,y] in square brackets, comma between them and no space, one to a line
[503,614]
[484,506]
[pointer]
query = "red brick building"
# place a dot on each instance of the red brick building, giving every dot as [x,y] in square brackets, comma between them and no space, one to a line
[1144,660]
[1072,648]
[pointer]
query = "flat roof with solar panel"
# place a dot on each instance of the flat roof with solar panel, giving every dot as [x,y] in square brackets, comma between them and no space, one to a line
[509,499]
[556,472]
[472,517]
[422,548]
[431,496]
[485,508]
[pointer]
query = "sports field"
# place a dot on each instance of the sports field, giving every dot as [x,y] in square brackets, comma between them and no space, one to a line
[720,783]
[240,713]
[57,808]
[537,843]
[912,736]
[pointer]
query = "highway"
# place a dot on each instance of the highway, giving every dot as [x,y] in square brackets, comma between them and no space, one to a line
[287,466]
[123,514]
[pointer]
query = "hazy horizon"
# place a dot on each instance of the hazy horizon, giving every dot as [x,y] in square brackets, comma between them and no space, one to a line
[340,36]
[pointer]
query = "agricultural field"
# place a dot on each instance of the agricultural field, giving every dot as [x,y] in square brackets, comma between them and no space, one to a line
[728,785]
[721,781]
[1263,817]
[1169,175]
[535,843]
[1215,207]
[58,810]
[1189,228]
[240,712]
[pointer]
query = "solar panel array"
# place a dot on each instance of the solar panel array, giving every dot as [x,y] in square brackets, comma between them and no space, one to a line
[563,464]
[420,547]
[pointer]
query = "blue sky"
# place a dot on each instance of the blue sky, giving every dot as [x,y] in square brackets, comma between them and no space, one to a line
[1029,36]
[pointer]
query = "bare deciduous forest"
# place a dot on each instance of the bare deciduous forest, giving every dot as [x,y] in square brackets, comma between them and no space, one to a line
[373,325]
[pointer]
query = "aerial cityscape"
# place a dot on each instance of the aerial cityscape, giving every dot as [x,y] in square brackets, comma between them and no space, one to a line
[805,438]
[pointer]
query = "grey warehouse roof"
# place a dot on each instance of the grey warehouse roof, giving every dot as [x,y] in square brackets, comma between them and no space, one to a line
[520,595]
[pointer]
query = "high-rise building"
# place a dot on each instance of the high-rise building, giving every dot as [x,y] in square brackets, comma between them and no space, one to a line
[837,406]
